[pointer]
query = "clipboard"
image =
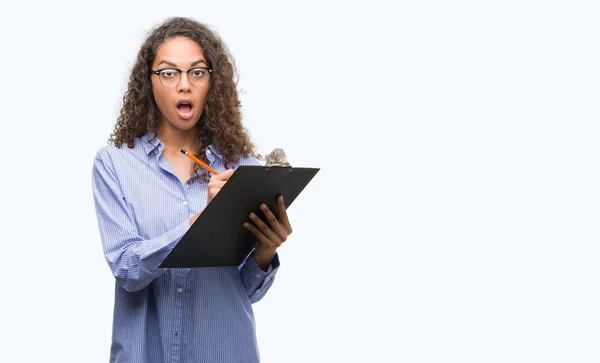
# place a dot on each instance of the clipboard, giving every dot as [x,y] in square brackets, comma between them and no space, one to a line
[218,237]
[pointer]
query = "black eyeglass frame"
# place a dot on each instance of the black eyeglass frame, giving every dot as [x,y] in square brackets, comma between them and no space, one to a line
[180,71]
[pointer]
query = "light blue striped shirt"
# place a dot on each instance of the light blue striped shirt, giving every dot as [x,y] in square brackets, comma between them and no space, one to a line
[175,315]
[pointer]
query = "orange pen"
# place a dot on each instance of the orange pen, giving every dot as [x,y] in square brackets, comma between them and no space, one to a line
[198,161]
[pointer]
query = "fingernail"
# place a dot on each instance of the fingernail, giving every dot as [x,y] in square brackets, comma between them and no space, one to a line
[263,206]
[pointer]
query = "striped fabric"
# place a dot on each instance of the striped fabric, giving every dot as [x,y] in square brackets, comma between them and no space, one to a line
[174,315]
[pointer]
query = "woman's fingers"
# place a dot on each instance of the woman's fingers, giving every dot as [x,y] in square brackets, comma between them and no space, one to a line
[275,225]
[217,182]
[276,231]
[268,232]
[223,176]
[261,237]
[283,217]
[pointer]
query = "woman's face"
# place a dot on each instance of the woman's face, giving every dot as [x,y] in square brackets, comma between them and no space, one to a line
[180,103]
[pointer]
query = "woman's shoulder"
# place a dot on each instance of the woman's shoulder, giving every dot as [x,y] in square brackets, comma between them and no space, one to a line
[111,152]
[248,161]
[240,159]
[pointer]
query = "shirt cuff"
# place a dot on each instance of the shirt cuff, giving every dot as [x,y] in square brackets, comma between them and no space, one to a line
[254,276]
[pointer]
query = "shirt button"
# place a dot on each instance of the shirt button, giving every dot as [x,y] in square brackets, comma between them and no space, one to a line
[257,275]
[179,290]
[184,203]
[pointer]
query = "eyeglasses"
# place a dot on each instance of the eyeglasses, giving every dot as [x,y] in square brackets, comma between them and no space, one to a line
[170,77]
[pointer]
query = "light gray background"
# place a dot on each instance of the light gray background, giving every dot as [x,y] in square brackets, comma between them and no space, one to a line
[455,218]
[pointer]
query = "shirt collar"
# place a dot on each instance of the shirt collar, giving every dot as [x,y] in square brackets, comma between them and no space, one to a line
[153,146]
[151,143]
[212,149]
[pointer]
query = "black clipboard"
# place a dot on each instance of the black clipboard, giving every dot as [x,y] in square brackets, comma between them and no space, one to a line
[218,237]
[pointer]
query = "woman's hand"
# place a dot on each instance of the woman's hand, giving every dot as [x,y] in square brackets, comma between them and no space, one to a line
[269,237]
[215,184]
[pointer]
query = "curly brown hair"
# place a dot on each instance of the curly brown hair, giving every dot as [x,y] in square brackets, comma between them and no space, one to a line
[219,124]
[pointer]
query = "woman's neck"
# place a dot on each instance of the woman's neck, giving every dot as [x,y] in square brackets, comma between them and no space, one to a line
[175,139]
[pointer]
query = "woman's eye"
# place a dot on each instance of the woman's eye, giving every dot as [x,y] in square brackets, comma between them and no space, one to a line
[168,74]
[197,73]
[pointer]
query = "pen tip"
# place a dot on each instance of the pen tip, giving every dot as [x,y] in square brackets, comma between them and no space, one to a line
[183,151]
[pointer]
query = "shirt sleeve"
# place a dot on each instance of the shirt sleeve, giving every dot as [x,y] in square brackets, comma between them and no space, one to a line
[256,281]
[133,260]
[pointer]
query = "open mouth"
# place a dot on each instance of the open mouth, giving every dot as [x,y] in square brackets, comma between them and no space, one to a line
[185,109]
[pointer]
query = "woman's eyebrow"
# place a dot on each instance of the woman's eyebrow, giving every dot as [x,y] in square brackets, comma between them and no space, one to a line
[175,65]
[167,63]
[198,62]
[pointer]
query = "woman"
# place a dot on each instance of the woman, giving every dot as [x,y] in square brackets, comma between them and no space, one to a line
[181,95]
